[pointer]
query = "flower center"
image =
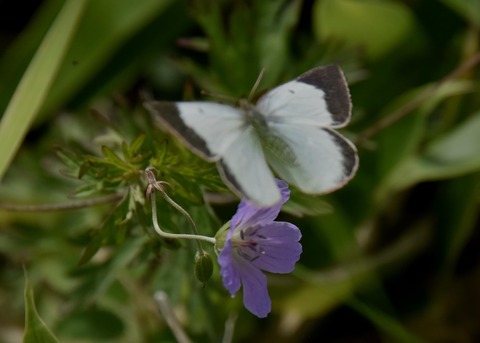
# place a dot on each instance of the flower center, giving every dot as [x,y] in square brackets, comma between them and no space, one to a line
[247,244]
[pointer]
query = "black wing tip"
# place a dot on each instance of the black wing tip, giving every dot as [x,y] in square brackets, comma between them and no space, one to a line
[331,80]
[166,114]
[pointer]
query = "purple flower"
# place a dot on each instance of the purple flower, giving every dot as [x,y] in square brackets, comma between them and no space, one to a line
[256,242]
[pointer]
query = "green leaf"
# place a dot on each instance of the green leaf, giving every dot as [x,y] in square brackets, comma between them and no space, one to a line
[106,25]
[301,204]
[394,145]
[98,278]
[377,26]
[470,9]
[392,327]
[457,215]
[35,329]
[93,324]
[327,288]
[452,155]
[277,19]
[109,231]
[112,158]
[37,81]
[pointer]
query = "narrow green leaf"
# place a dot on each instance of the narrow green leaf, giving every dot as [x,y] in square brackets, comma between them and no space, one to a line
[457,215]
[452,155]
[136,144]
[392,327]
[112,158]
[394,145]
[35,329]
[115,21]
[470,9]
[278,19]
[37,81]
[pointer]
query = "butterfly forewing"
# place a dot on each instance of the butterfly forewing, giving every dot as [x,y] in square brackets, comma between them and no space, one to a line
[208,128]
[319,97]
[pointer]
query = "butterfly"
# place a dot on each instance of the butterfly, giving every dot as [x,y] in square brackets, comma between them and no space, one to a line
[290,130]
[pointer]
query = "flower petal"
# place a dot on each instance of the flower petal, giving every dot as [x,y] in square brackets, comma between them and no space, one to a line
[228,270]
[255,292]
[249,214]
[280,247]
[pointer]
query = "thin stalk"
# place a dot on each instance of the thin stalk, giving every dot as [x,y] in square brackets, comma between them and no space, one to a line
[61,207]
[174,235]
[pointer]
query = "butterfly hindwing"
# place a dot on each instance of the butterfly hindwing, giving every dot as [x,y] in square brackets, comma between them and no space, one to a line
[244,168]
[324,160]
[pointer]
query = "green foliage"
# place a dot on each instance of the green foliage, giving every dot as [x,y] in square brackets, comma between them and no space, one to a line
[37,81]
[378,27]
[391,257]
[35,329]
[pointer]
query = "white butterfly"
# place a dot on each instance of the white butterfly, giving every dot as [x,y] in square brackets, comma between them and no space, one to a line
[290,128]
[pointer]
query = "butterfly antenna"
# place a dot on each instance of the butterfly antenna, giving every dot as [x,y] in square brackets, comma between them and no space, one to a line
[219,96]
[257,83]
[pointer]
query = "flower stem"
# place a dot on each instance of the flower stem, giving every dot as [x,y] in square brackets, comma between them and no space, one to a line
[62,207]
[167,312]
[158,185]
[174,235]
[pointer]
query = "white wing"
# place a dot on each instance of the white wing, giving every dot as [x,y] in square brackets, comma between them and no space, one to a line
[323,159]
[207,127]
[244,168]
[221,133]
[319,97]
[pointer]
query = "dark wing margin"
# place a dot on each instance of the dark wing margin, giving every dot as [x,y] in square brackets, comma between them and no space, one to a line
[167,114]
[331,80]
[349,153]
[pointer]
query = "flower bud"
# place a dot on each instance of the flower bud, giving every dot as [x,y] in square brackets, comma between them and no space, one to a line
[203,267]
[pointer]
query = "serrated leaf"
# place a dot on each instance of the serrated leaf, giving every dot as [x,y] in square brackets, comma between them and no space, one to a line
[112,158]
[126,151]
[107,231]
[136,144]
[35,329]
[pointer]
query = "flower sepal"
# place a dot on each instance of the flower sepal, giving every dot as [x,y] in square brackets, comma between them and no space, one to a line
[221,237]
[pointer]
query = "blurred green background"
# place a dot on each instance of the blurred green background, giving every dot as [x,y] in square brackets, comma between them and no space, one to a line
[392,257]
